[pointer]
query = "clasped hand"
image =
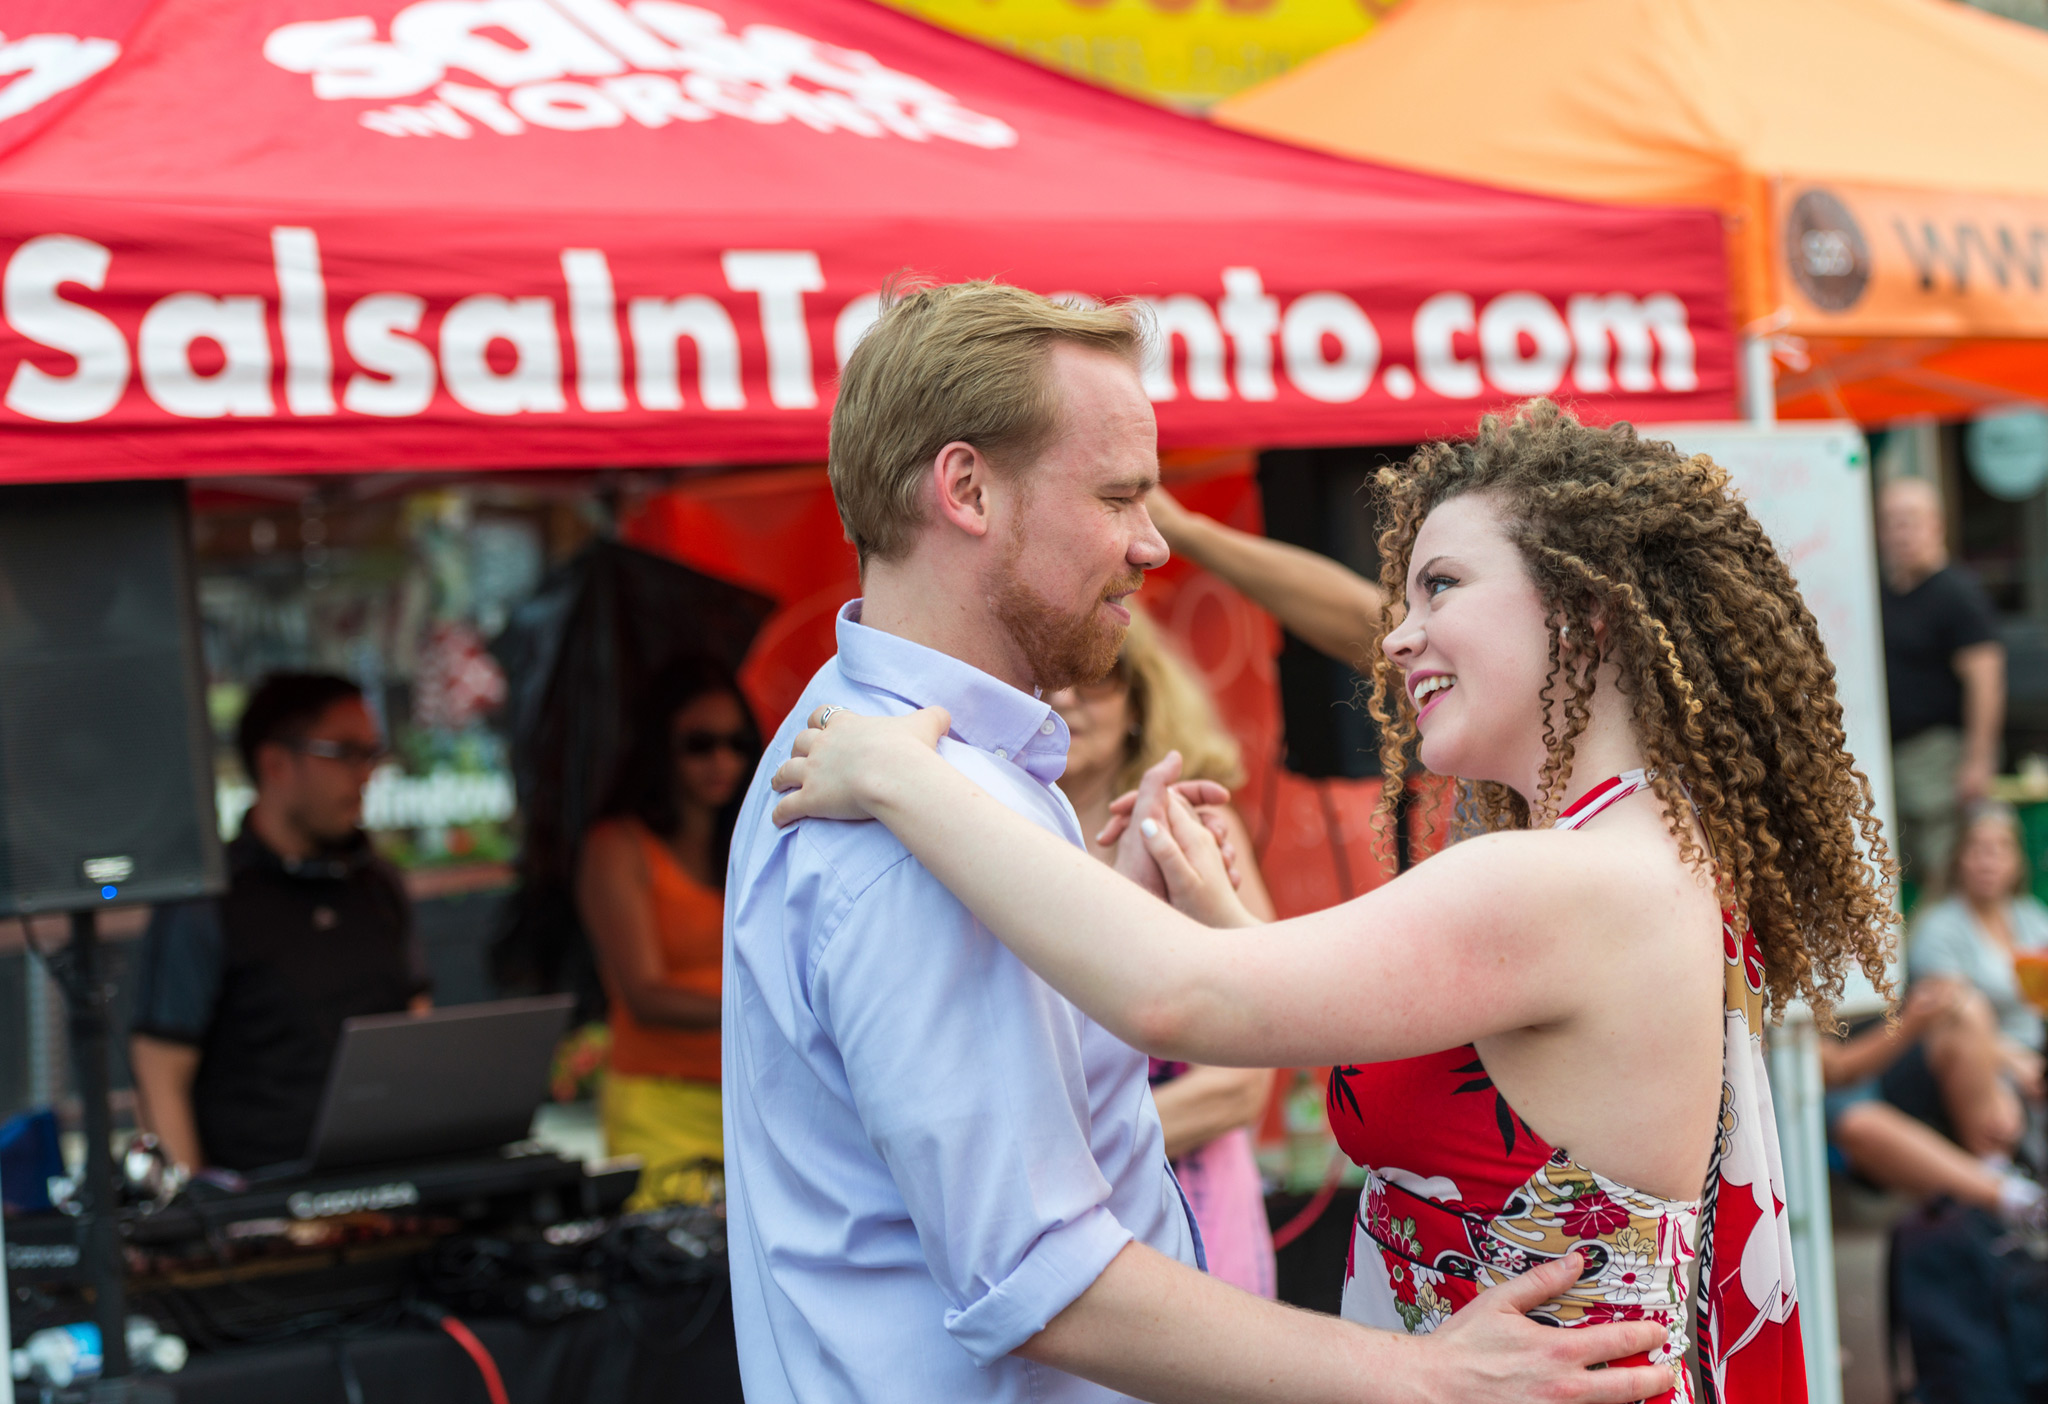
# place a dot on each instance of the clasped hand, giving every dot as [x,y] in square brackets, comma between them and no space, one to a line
[1169,834]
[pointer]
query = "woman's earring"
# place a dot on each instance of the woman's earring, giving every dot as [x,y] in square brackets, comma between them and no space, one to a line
[1564,633]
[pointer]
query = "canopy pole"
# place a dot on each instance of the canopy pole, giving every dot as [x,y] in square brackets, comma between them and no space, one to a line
[1759,380]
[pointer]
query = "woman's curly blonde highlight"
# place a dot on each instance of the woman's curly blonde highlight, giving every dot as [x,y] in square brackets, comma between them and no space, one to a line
[1730,688]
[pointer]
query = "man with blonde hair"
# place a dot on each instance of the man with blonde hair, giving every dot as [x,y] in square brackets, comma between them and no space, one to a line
[945,1183]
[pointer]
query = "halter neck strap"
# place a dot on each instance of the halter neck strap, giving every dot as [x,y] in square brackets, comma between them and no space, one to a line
[1750,1344]
[1597,800]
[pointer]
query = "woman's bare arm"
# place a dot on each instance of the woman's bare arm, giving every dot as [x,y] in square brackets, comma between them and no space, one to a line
[1464,947]
[1847,1061]
[615,898]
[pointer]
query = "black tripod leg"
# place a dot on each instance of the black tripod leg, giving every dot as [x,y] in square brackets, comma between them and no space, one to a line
[106,1265]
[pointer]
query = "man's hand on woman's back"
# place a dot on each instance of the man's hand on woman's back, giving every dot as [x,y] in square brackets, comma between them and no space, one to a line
[1492,1350]
[1156,1330]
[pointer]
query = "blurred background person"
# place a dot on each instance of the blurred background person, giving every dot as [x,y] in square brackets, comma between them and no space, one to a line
[650,890]
[1149,704]
[1975,940]
[1976,934]
[1885,1146]
[1940,1103]
[239,999]
[1945,675]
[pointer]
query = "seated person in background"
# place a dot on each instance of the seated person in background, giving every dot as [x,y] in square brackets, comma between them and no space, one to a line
[650,889]
[1895,1151]
[1974,934]
[1938,1105]
[239,1000]
[1151,703]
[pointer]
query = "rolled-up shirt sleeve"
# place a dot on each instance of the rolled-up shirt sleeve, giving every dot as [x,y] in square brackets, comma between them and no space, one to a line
[967,1072]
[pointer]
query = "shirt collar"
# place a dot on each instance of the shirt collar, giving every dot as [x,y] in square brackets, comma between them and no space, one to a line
[988,714]
[247,853]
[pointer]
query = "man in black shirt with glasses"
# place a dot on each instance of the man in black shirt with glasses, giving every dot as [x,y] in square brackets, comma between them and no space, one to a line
[239,1000]
[1944,675]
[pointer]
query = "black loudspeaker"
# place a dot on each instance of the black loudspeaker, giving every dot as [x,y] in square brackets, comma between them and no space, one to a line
[1323,499]
[106,773]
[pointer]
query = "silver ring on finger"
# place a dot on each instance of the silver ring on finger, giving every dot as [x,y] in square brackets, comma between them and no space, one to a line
[827,712]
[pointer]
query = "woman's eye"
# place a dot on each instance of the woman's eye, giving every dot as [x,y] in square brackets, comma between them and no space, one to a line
[1434,585]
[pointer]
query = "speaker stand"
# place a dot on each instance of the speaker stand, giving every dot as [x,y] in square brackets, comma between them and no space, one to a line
[106,1268]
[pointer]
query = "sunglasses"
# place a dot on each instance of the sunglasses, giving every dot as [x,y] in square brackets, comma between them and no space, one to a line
[347,752]
[703,743]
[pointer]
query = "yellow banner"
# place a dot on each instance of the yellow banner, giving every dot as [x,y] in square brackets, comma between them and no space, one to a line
[1187,53]
[1865,260]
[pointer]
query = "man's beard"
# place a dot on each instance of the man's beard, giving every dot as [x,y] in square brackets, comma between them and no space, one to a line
[1060,647]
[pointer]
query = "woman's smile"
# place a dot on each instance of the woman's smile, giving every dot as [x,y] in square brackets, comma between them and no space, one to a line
[1427,689]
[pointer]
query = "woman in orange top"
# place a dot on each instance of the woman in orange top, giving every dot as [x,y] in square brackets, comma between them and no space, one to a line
[650,890]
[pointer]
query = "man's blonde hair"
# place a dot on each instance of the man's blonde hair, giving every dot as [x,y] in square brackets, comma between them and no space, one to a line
[963,361]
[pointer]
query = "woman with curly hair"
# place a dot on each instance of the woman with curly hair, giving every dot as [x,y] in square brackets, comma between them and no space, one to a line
[1547,1036]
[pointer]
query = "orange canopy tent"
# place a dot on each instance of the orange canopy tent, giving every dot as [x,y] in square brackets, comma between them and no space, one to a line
[1882,164]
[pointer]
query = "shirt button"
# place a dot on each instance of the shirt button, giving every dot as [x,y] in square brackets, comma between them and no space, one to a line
[1045,727]
[1002,754]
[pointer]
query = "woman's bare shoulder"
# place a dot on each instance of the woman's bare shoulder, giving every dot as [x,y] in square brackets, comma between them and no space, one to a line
[613,842]
[1599,898]
[1604,868]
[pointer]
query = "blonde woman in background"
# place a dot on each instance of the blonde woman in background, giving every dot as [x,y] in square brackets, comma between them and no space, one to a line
[1977,933]
[1152,703]
[1973,939]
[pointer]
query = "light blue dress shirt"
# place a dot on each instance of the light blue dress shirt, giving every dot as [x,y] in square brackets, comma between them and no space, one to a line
[928,1152]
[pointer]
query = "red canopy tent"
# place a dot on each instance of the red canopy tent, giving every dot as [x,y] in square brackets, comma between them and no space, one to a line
[336,235]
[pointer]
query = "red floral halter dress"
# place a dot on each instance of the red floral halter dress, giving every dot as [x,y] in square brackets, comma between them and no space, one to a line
[1461,1195]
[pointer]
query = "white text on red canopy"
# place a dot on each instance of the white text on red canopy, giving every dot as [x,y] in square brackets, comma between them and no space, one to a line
[505,355]
[584,65]
[1328,347]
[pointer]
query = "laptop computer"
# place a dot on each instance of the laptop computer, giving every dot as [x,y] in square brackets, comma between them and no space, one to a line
[457,1081]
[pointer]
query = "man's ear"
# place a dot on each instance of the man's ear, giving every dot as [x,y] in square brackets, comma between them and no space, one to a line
[273,758]
[961,479]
